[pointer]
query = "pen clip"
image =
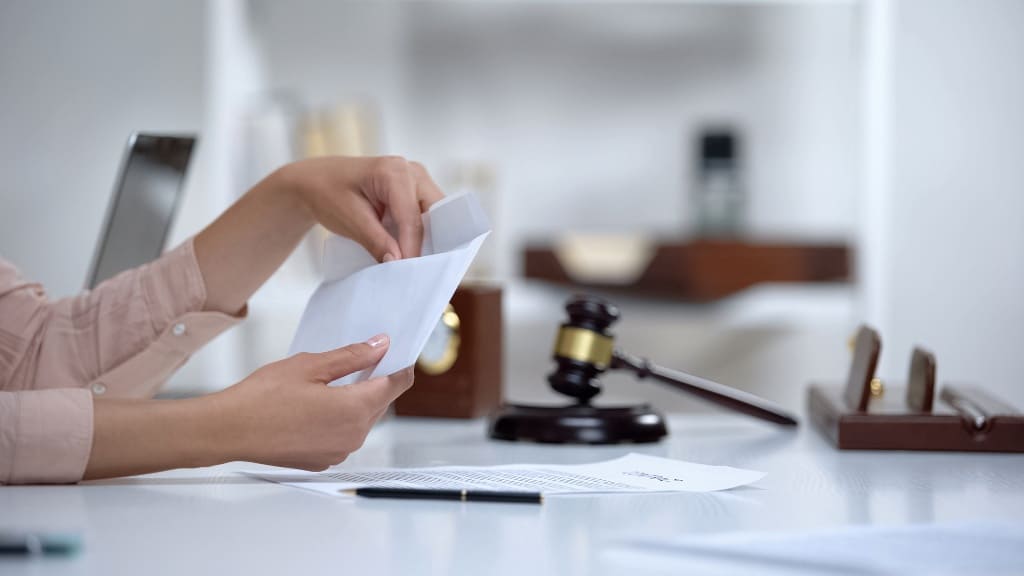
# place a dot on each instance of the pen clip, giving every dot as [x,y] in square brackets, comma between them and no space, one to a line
[975,418]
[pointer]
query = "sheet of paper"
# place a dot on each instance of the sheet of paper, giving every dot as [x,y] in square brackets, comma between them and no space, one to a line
[404,299]
[990,547]
[631,473]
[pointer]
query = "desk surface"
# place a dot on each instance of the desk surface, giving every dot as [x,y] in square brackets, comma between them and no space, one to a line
[215,520]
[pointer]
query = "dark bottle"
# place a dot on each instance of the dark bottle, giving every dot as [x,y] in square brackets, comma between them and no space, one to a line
[718,197]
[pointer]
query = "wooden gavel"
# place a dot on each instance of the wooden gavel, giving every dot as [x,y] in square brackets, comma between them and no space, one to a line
[584,349]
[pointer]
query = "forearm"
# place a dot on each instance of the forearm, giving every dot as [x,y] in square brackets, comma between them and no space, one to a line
[249,241]
[143,436]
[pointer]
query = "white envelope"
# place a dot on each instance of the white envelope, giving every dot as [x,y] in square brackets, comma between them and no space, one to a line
[404,299]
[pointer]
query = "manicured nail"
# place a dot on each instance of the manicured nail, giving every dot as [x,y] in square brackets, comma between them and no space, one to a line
[388,257]
[378,341]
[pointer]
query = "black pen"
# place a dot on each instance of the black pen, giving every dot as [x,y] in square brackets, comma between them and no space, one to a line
[462,495]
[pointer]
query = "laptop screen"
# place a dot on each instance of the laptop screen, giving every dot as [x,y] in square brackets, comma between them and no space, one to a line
[145,200]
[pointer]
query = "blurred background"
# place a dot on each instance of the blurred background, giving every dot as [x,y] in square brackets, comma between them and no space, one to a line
[597,133]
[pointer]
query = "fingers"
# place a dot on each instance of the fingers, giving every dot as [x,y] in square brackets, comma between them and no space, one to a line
[383,410]
[378,393]
[397,188]
[329,366]
[373,236]
[427,191]
[404,190]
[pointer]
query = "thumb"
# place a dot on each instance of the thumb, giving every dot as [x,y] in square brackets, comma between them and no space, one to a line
[331,365]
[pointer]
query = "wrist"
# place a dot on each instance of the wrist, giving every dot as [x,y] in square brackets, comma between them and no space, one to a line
[143,436]
[217,430]
[291,187]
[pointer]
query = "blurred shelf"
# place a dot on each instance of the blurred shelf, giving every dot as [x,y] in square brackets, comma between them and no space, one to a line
[707,270]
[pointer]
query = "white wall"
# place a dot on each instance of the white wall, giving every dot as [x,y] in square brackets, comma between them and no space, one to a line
[587,112]
[955,280]
[584,110]
[77,78]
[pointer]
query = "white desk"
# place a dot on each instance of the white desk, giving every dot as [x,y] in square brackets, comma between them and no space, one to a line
[219,522]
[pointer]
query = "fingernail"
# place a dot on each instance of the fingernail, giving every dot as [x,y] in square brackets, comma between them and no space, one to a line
[378,341]
[388,257]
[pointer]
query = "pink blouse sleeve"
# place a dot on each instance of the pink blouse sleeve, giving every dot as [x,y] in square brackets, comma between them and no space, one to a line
[123,339]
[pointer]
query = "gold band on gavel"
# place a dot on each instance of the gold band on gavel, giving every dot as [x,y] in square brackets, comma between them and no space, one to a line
[584,346]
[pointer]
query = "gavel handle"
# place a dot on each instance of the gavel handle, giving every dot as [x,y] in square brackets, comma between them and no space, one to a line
[712,391]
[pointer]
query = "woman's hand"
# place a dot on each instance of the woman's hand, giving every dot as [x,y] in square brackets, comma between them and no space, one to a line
[353,197]
[283,414]
[357,197]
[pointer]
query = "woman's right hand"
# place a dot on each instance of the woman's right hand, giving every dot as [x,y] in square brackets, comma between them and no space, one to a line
[284,414]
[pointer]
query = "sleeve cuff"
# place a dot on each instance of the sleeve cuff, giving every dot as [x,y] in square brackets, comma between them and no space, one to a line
[142,375]
[52,436]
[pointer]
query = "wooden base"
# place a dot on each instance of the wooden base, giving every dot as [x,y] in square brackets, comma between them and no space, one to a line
[578,424]
[888,424]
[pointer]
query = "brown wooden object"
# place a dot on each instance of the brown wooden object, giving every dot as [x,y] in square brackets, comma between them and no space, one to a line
[472,386]
[705,270]
[858,417]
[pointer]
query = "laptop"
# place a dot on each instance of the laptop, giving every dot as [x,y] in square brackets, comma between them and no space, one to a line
[145,201]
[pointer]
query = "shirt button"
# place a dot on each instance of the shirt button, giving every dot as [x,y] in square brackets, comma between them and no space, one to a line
[179,329]
[99,388]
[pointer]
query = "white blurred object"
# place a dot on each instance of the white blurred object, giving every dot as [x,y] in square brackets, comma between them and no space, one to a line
[270,142]
[991,548]
[478,178]
[346,128]
[604,258]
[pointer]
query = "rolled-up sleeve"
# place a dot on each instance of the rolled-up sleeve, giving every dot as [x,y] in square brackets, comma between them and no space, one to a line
[123,339]
[45,435]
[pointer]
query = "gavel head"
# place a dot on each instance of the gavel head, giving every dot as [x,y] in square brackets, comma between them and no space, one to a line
[583,348]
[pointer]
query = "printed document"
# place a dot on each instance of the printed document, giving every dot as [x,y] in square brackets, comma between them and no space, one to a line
[631,473]
[404,299]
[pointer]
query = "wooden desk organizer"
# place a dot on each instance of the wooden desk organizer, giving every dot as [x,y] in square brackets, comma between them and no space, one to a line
[866,417]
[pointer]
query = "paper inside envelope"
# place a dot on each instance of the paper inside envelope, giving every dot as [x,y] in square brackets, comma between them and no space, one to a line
[404,299]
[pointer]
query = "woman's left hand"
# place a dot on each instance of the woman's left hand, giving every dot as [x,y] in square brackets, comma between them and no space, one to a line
[357,197]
